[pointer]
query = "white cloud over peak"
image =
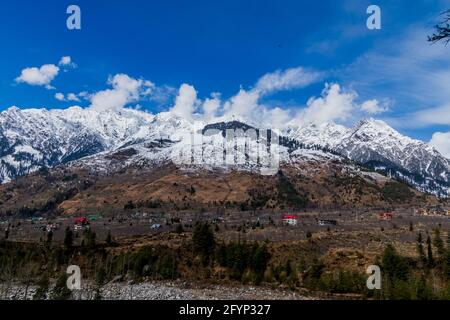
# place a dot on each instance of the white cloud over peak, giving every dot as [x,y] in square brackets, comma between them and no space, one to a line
[374,107]
[243,104]
[333,105]
[441,141]
[211,106]
[125,90]
[185,102]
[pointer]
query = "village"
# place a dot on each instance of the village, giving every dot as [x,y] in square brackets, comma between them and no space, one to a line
[260,225]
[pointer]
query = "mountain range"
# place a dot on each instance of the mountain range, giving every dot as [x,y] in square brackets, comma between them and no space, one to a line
[110,141]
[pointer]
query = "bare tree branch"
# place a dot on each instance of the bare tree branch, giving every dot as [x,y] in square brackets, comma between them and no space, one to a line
[442,30]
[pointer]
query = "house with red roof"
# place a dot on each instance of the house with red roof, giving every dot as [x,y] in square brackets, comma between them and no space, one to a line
[290,220]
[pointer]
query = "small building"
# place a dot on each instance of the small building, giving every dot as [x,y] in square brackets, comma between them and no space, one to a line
[421,212]
[78,227]
[51,227]
[325,222]
[81,221]
[156,227]
[435,211]
[290,220]
[386,216]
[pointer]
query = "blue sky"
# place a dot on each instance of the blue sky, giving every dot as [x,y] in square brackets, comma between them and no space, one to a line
[222,46]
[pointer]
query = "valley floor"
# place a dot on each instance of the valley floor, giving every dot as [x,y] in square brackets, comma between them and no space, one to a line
[303,260]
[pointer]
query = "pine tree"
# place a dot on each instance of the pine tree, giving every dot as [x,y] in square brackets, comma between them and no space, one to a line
[108,239]
[90,238]
[68,238]
[259,262]
[447,264]
[420,249]
[179,229]
[448,240]
[60,290]
[423,291]
[49,237]
[203,241]
[430,253]
[397,273]
[438,242]
[394,265]
[447,258]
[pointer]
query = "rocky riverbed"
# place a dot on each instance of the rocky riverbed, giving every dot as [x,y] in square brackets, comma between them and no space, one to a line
[177,290]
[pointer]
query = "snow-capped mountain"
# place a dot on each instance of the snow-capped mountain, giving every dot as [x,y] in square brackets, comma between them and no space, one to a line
[326,134]
[35,138]
[375,144]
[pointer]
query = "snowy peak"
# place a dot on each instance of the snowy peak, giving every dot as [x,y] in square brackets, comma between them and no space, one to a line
[375,144]
[326,134]
[35,138]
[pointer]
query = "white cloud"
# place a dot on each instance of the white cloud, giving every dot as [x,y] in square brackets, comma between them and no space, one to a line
[288,79]
[149,88]
[73,97]
[70,97]
[66,62]
[432,116]
[163,95]
[441,141]
[334,105]
[186,101]
[59,96]
[243,104]
[84,95]
[278,118]
[125,90]
[246,103]
[414,72]
[211,106]
[374,107]
[42,76]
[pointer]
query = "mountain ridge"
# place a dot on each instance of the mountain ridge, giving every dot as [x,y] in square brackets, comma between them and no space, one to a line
[34,138]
